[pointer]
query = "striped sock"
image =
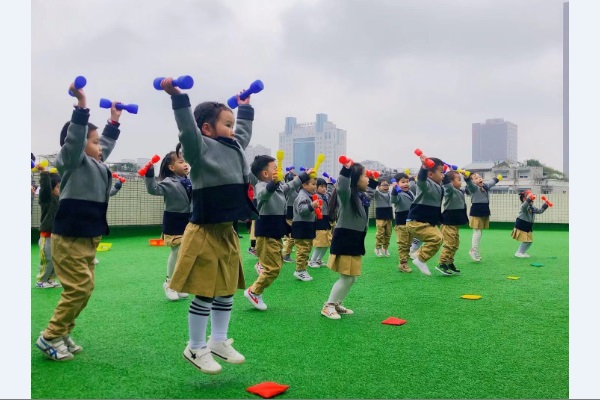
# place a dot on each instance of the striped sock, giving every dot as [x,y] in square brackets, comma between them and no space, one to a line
[219,318]
[197,322]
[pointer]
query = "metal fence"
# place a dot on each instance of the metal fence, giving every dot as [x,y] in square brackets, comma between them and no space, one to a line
[134,206]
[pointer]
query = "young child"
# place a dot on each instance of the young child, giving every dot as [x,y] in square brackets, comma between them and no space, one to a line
[288,244]
[384,215]
[48,200]
[523,230]
[209,262]
[454,215]
[425,212]
[176,188]
[251,195]
[322,239]
[402,200]
[304,227]
[348,243]
[271,225]
[480,209]
[84,193]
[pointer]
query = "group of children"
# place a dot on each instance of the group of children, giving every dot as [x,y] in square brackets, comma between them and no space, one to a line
[202,200]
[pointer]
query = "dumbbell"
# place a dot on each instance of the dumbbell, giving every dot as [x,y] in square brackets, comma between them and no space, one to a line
[79,83]
[183,82]
[255,87]
[429,162]
[130,108]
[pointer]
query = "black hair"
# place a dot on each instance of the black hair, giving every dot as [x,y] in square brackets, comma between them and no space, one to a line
[321,182]
[54,180]
[289,176]
[209,112]
[32,157]
[169,159]
[63,132]
[452,174]
[400,175]
[437,163]
[383,180]
[356,171]
[523,195]
[259,164]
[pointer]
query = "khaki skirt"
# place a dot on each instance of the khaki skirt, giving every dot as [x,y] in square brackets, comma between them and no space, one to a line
[347,265]
[323,239]
[172,240]
[521,236]
[209,262]
[479,222]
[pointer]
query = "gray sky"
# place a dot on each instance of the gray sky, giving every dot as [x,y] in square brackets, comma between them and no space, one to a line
[395,75]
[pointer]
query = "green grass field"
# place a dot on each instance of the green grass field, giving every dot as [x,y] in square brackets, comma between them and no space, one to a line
[512,343]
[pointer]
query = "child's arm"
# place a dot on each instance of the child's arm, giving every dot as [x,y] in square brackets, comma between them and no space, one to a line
[295,183]
[71,153]
[45,188]
[152,186]
[329,191]
[243,127]
[263,191]
[111,132]
[306,207]
[115,189]
[534,209]
[253,179]
[470,185]
[343,182]
[422,178]
[449,190]
[412,186]
[490,184]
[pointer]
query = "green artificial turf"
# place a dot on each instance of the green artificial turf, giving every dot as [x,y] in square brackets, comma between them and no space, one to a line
[512,343]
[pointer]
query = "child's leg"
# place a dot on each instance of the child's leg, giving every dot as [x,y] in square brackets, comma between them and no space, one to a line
[46,264]
[414,246]
[387,233]
[198,321]
[379,224]
[476,238]
[219,318]
[402,239]
[341,288]
[451,243]
[528,246]
[172,260]
[431,238]
[269,255]
[303,247]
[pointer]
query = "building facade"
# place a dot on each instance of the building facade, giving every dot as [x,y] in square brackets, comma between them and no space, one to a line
[495,140]
[257,150]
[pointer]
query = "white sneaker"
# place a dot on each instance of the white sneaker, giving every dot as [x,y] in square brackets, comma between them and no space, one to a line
[54,349]
[321,263]
[255,299]
[44,285]
[474,253]
[378,252]
[329,311]
[343,310]
[170,293]
[202,359]
[54,283]
[258,268]
[182,295]
[96,261]
[413,254]
[303,276]
[225,351]
[521,255]
[386,253]
[422,266]
[526,255]
[71,345]
[313,264]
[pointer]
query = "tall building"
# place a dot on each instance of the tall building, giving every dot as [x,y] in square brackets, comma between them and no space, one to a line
[257,150]
[302,143]
[495,140]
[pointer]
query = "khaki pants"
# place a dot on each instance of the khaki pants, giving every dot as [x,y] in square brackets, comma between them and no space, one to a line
[303,248]
[73,259]
[268,251]
[383,234]
[252,237]
[451,242]
[428,234]
[288,245]
[403,243]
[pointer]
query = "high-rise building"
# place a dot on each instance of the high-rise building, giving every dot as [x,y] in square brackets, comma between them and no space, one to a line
[257,150]
[302,143]
[495,140]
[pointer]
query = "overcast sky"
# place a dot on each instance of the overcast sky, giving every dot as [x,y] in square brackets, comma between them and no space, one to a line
[395,75]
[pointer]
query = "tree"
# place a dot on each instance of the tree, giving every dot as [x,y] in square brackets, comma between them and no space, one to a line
[549,172]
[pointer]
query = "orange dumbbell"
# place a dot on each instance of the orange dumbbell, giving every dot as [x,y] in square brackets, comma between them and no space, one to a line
[429,162]
[545,200]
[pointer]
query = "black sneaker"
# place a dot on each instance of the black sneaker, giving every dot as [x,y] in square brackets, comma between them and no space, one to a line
[452,268]
[444,270]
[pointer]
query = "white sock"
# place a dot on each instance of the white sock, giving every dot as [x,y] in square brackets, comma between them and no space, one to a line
[528,245]
[476,238]
[415,245]
[522,248]
[322,253]
[315,253]
[197,322]
[219,318]
[341,288]
[172,260]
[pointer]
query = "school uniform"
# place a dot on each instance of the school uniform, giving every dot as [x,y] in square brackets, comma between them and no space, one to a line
[523,228]
[384,215]
[303,228]
[454,215]
[480,203]
[49,205]
[402,201]
[323,225]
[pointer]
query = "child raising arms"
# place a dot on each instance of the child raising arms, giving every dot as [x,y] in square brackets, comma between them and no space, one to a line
[523,230]
[176,189]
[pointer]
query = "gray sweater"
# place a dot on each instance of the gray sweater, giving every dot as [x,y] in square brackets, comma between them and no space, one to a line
[526,216]
[455,208]
[427,206]
[303,223]
[480,198]
[177,204]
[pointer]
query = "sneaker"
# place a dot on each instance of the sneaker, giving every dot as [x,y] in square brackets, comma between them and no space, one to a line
[413,254]
[258,268]
[288,259]
[385,252]
[403,267]
[225,351]
[255,299]
[314,264]
[521,255]
[96,261]
[329,311]
[170,293]
[378,252]
[54,349]
[303,275]
[202,359]
[422,266]
[182,295]
[452,268]
[526,255]
[443,268]
[343,310]
[54,283]
[44,285]
[252,251]
[320,262]
[474,253]
[71,345]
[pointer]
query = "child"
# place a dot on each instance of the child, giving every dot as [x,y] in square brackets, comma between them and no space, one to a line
[176,189]
[454,215]
[480,209]
[271,225]
[209,263]
[383,218]
[524,223]
[251,228]
[425,212]
[85,187]
[348,243]
[322,239]
[402,200]
[289,242]
[304,227]
[48,200]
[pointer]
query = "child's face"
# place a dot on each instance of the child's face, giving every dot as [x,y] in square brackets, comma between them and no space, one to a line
[56,190]
[179,167]
[437,174]
[310,186]
[456,181]
[322,189]
[477,179]
[269,173]
[384,186]
[404,184]
[223,126]
[92,147]
[363,182]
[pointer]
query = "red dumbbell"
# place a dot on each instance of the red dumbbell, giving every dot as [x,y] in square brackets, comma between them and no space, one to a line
[318,210]
[429,162]
[547,201]
[345,160]
[154,160]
